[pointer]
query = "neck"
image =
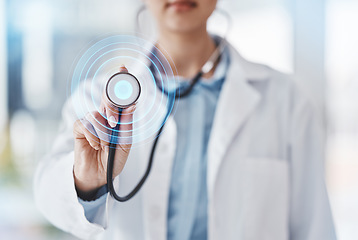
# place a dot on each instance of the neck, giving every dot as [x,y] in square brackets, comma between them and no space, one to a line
[188,51]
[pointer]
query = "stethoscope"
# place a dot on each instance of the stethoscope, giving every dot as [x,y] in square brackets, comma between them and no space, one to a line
[123,90]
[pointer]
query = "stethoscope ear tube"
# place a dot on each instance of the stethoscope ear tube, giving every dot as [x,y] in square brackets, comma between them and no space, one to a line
[188,90]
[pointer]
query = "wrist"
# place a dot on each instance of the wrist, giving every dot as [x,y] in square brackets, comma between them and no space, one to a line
[86,195]
[84,190]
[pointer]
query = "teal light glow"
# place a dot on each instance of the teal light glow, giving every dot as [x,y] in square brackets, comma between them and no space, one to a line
[123,90]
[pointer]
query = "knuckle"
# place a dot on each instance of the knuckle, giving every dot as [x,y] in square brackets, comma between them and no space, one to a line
[96,114]
[87,124]
[76,123]
[77,126]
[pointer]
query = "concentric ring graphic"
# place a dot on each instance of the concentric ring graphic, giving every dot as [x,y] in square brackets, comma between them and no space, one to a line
[150,67]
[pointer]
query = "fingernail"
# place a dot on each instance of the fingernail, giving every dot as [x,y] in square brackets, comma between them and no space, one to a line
[112,121]
[122,68]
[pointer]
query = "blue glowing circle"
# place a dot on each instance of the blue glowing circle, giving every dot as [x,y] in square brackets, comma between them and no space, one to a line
[123,90]
[101,60]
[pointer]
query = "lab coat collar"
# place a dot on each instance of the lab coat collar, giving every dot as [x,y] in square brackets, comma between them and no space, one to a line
[237,101]
[250,71]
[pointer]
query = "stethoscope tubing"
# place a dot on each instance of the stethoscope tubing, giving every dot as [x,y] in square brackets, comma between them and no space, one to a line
[111,157]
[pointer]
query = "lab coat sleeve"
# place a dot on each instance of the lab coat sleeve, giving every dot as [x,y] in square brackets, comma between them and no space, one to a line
[54,187]
[310,214]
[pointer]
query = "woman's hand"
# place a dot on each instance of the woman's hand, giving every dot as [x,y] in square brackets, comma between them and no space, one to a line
[92,146]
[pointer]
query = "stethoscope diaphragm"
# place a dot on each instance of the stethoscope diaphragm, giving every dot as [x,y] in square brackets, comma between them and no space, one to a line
[123,89]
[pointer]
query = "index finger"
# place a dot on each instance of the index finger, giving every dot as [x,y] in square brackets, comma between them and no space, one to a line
[109,110]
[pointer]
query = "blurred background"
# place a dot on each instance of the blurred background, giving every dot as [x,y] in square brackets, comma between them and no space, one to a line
[40,39]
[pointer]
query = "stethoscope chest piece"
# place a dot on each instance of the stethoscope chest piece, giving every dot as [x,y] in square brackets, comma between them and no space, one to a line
[123,89]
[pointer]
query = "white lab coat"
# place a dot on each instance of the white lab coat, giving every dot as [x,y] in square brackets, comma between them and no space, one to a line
[265,175]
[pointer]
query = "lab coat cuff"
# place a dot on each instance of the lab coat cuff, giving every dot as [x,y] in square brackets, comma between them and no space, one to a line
[95,210]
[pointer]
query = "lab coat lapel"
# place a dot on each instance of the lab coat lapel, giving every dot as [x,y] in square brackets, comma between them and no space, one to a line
[156,191]
[237,101]
[156,188]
